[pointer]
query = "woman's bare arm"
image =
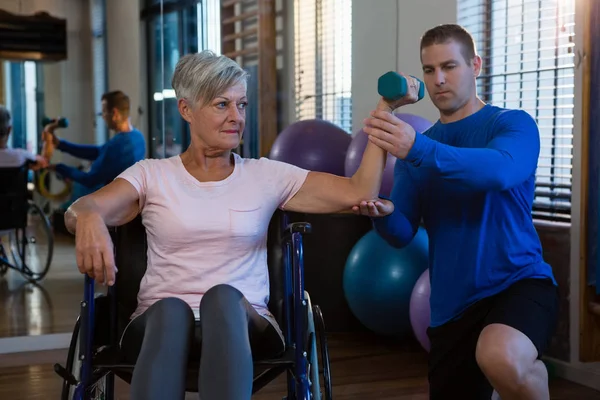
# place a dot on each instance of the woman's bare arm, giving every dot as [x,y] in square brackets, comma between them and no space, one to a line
[328,193]
[116,204]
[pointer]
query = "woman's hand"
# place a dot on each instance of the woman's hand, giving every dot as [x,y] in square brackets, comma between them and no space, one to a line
[377,208]
[94,249]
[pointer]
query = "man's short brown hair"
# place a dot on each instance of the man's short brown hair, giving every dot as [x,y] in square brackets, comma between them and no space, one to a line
[446,32]
[117,99]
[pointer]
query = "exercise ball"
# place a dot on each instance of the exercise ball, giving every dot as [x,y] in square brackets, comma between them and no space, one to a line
[418,123]
[359,143]
[314,144]
[378,281]
[420,313]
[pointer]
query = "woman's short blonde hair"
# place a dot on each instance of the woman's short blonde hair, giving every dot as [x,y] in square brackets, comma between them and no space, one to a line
[203,76]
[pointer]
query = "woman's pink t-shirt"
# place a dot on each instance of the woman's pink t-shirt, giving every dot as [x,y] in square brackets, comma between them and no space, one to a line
[201,234]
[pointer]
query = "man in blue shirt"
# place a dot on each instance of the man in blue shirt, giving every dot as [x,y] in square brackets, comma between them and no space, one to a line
[470,178]
[124,149]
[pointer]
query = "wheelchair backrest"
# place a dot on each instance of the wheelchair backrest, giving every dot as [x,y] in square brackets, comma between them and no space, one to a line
[13,197]
[131,246]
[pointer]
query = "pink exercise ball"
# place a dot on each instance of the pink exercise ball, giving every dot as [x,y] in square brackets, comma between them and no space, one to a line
[420,313]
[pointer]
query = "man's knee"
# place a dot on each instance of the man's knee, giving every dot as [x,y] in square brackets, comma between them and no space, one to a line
[505,355]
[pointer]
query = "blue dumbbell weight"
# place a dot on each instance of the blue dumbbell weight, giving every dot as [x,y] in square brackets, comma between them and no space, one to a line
[393,86]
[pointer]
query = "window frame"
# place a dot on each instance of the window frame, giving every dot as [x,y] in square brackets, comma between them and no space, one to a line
[553,214]
[148,15]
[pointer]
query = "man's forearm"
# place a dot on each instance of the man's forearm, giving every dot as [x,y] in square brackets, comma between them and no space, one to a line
[83,151]
[396,229]
[88,179]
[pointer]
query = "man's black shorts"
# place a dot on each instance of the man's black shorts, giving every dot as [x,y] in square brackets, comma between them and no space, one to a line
[530,306]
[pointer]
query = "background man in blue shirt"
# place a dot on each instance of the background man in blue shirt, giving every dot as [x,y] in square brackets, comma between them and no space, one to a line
[124,149]
[470,178]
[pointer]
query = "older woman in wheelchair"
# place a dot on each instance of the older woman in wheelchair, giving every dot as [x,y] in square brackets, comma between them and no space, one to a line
[206,214]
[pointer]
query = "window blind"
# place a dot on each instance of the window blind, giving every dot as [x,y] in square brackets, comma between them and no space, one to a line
[528,63]
[323,60]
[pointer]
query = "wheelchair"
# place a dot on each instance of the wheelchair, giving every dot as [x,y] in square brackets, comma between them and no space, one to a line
[94,357]
[30,234]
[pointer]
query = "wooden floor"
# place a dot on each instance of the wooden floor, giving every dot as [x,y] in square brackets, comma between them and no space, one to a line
[52,306]
[363,367]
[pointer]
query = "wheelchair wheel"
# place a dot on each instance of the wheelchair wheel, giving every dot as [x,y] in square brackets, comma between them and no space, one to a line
[320,325]
[73,365]
[3,255]
[315,340]
[32,249]
[72,372]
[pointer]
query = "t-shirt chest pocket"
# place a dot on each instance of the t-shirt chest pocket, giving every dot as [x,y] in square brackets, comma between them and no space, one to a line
[245,221]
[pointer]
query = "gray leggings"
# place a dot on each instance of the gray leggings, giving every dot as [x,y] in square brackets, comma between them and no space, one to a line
[165,340]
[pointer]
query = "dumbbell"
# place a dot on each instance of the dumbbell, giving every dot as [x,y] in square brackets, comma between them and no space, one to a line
[62,122]
[393,86]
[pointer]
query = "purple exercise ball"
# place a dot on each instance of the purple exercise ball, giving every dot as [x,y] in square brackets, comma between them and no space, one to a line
[359,143]
[419,123]
[354,157]
[420,313]
[314,144]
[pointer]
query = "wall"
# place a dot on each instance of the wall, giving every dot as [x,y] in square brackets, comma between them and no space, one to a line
[557,252]
[125,49]
[374,52]
[386,37]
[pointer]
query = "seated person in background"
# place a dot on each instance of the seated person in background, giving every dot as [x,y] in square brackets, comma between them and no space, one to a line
[15,157]
[123,150]
[206,214]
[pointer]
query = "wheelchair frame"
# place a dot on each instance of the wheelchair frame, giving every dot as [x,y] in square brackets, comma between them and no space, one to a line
[19,202]
[299,347]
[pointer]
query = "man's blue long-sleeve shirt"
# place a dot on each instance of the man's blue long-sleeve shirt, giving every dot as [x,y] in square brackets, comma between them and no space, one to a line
[472,183]
[108,160]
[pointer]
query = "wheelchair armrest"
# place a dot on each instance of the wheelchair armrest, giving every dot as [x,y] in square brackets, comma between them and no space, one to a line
[300,227]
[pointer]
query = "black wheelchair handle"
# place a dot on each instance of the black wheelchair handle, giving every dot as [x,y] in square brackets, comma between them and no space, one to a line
[301,227]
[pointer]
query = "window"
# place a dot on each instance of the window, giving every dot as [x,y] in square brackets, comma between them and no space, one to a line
[23,100]
[176,29]
[323,60]
[528,63]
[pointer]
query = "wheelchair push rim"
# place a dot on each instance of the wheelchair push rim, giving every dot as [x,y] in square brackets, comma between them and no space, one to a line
[25,244]
[316,341]
[326,371]
[75,390]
